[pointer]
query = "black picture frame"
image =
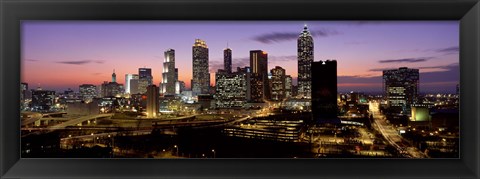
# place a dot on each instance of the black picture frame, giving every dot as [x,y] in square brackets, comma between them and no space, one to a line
[12,12]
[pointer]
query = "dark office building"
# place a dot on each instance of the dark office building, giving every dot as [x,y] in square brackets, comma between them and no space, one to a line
[42,100]
[146,73]
[153,104]
[23,91]
[259,86]
[324,90]
[227,60]
[401,87]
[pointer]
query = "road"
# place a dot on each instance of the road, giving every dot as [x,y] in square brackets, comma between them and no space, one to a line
[392,136]
[33,117]
[75,122]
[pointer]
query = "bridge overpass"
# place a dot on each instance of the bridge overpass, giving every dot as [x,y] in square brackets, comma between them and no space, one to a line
[80,120]
[32,117]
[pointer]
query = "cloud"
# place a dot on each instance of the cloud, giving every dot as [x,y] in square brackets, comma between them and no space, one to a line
[276,37]
[406,60]
[289,58]
[359,79]
[449,50]
[32,60]
[441,67]
[96,74]
[446,78]
[80,62]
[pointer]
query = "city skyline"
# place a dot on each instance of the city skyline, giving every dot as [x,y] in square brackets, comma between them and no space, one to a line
[86,52]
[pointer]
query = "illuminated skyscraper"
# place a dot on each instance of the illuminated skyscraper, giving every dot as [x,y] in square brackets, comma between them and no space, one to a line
[324,90]
[288,86]
[401,87]
[153,103]
[278,83]
[145,79]
[227,60]
[128,80]
[305,59]
[170,73]
[201,76]
[259,87]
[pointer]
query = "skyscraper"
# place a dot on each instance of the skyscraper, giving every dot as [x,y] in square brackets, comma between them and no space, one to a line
[201,76]
[278,83]
[324,90]
[259,87]
[170,73]
[128,79]
[153,105]
[145,79]
[146,73]
[305,59]
[23,91]
[227,60]
[401,88]
[288,86]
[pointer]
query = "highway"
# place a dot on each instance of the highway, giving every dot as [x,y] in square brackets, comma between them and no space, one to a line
[392,136]
[75,122]
[32,118]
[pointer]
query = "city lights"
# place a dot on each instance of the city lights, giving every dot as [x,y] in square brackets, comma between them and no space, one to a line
[210,101]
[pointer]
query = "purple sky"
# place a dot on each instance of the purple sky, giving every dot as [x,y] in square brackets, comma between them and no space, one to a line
[64,54]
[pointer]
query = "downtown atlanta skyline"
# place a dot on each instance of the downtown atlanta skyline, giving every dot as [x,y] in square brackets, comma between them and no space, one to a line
[57,55]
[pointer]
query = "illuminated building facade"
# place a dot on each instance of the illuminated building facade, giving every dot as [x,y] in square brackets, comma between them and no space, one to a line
[259,87]
[145,79]
[277,83]
[324,90]
[23,91]
[401,87]
[146,74]
[201,76]
[170,73]
[153,106]
[267,128]
[109,89]
[128,81]
[231,89]
[305,59]
[87,92]
[288,86]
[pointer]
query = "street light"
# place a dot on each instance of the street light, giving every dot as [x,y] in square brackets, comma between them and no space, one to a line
[176,147]
[214,154]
